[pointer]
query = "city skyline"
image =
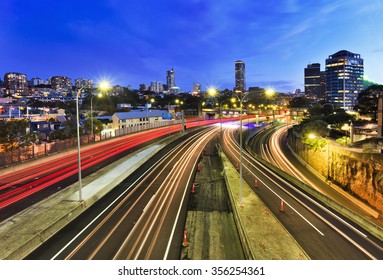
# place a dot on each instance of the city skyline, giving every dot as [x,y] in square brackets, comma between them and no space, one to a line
[134,43]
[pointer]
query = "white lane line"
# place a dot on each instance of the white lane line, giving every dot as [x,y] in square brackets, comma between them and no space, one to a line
[296,211]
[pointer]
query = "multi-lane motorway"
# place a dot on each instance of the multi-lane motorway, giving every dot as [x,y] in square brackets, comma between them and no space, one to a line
[271,145]
[26,186]
[143,218]
[321,232]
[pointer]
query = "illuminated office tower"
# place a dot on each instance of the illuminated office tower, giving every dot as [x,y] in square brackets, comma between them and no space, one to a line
[240,81]
[344,79]
[313,81]
[170,79]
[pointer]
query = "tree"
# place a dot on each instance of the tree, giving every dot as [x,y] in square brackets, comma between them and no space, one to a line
[15,133]
[368,101]
[299,102]
[321,109]
[338,120]
[97,125]
[68,130]
[313,134]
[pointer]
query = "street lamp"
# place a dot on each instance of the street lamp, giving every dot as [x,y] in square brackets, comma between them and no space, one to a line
[91,114]
[147,109]
[78,144]
[241,97]
[177,101]
[103,86]
[212,91]
[220,115]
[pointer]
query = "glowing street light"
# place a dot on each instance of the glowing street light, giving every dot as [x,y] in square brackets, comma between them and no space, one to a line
[269,92]
[91,113]
[212,91]
[220,115]
[103,86]
[178,102]
[182,114]
[151,100]
[240,96]
[312,136]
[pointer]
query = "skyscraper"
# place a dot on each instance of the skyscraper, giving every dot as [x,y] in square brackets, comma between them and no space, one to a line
[240,81]
[156,87]
[313,80]
[170,79]
[196,89]
[344,79]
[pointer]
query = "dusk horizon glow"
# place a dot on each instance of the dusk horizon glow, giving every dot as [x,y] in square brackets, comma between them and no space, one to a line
[130,43]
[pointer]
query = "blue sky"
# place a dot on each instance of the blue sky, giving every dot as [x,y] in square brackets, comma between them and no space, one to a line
[133,42]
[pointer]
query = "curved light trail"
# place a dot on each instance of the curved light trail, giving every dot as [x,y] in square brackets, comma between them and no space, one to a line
[275,184]
[142,222]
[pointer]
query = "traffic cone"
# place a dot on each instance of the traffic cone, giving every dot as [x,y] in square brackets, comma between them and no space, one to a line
[193,190]
[256,182]
[184,243]
[282,206]
[199,167]
[237,167]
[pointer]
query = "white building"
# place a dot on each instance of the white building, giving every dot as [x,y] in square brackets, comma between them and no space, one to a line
[137,118]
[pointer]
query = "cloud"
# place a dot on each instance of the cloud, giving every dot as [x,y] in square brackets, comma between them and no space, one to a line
[291,6]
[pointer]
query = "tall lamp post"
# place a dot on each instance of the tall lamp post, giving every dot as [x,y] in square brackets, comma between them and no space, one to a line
[177,101]
[78,145]
[104,86]
[147,109]
[91,113]
[182,114]
[241,97]
[220,114]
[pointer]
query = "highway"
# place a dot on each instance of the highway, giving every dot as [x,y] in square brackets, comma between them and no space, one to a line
[30,184]
[322,233]
[21,189]
[271,145]
[143,218]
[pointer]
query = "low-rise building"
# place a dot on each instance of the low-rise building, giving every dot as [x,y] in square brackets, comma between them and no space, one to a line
[136,118]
